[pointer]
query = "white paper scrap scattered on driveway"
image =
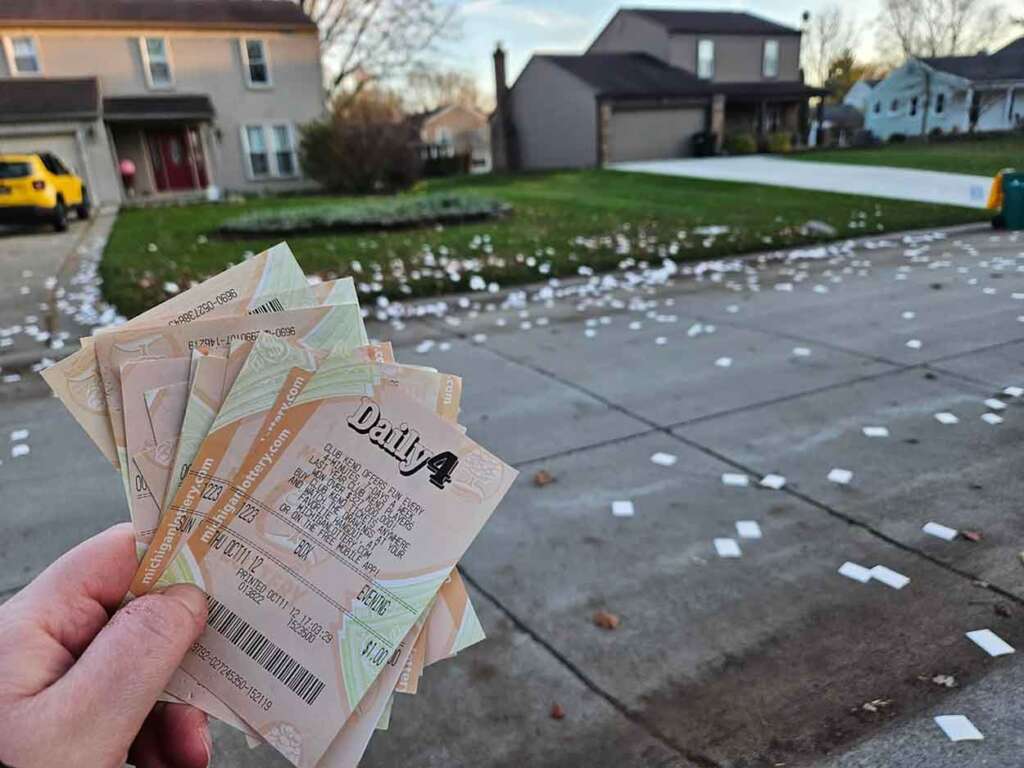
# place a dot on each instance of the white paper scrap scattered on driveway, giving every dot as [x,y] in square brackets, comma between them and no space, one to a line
[1013,391]
[908,315]
[775,482]
[855,572]
[995,405]
[992,418]
[21,449]
[914,344]
[735,479]
[18,435]
[622,508]
[663,459]
[958,728]
[727,548]
[841,476]
[990,642]
[723,362]
[748,529]
[940,531]
[889,577]
[801,352]
[946,418]
[876,431]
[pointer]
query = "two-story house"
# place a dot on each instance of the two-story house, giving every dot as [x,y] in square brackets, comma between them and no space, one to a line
[198,96]
[649,82]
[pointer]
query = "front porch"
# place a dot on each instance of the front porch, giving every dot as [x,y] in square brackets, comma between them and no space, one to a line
[165,140]
[763,109]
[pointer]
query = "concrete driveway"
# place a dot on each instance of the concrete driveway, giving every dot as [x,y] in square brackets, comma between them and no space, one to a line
[770,365]
[895,183]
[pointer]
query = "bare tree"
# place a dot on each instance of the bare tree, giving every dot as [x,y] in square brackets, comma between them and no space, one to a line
[927,28]
[829,32]
[429,88]
[369,40]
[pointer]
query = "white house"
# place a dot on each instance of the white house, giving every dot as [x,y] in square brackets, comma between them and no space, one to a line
[861,94]
[951,94]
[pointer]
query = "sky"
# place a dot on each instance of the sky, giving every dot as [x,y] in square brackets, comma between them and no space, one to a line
[525,27]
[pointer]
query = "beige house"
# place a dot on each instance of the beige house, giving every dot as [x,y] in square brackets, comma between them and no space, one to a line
[201,96]
[454,130]
[650,82]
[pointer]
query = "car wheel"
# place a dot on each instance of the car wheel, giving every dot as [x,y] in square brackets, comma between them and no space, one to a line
[60,217]
[84,210]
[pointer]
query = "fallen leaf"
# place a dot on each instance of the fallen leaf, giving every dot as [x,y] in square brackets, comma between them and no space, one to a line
[606,620]
[542,478]
[557,713]
[971,535]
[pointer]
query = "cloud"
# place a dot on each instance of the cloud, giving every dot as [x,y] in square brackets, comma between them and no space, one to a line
[523,13]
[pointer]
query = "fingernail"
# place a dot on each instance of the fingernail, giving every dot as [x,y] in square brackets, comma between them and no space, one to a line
[189,596]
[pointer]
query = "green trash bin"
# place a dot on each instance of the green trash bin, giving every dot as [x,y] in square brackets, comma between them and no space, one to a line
[1013,200]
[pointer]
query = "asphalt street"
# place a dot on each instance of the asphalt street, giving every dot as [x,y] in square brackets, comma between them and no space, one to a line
[775,364]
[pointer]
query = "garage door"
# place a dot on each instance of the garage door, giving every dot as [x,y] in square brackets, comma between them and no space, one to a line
[653,134]
[61,144]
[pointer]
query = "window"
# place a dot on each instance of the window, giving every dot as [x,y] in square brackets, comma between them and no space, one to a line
[270,151]
[940,103]
[913,106]
[894,105]
[770,61]
[54,165]
[14,170]
[706,59]
[156,61]
[878,107]
[22,55]
[256,63]
[284,151]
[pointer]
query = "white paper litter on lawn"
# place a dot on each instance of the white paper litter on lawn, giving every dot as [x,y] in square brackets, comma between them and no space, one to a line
[940,531]
[664,459]
[841,476]
[775,482]
[946,418]
[727,548]
[958,728]
[735,479]
[19,435]
[990,642]
[889,577]
[855,572]
[748,529]
[1013,391]
[622,509]
[995,405]
[21,449]
[992,418]
[876,431]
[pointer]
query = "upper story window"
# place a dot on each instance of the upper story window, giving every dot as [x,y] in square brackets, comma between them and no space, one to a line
[256,63]
[770,60]
[156,60]
[706,59]
[22,55]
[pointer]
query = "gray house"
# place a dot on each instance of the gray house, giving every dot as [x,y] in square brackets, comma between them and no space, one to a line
[649,82]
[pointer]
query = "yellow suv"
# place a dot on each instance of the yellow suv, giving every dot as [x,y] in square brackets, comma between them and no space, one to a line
[39,188]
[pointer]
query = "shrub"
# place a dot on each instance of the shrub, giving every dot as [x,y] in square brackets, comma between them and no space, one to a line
[363,146]
[740,144]
[373,214]
[779,142]
[935,132]
[864,138]
[456,165]
[898,138]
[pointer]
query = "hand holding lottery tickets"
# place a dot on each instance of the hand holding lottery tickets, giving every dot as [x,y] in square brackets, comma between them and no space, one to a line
[79,679]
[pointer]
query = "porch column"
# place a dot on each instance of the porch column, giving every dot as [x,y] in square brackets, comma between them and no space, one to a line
[716,125]
[604,123]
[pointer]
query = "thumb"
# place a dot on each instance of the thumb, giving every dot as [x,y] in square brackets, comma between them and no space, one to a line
[112,687]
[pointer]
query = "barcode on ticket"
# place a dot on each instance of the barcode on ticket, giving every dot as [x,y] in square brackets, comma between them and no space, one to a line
[258,647]
[274,305]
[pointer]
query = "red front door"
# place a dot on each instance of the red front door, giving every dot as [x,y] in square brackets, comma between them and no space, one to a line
[172,160]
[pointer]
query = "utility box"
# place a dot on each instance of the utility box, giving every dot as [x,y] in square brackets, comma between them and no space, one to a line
[1013,200]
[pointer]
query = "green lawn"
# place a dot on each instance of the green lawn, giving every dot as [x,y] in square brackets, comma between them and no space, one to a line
[981,157]
[561,222]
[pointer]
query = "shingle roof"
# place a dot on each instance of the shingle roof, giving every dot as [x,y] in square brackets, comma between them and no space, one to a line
[631,75]
[768,89]
[176,107]
[713,22]
[271,13]
[47,100]
[1014,48]
[1004,65]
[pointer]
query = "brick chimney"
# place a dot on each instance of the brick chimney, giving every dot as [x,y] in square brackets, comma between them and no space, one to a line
[503,156]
